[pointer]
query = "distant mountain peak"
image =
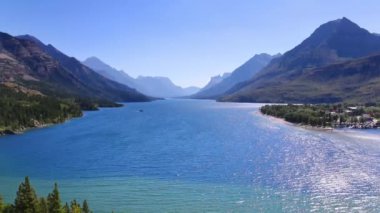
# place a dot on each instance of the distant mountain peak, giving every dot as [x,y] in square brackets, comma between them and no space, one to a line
[156,86]
[334,42]
[29,37]
[261,55]
[159,86]
[344,19]
[337,39]
[340,21]
[343,25]
[55,73]
[225,75]
[94,59]
[220,84]
[97,64]
[162,78]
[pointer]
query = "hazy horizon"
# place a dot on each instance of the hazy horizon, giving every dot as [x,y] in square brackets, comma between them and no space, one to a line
[186,40]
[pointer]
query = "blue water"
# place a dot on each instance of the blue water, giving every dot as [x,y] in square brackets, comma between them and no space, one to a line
[192,156]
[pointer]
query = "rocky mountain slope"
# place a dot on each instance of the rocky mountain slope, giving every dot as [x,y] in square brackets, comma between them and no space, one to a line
[335,47]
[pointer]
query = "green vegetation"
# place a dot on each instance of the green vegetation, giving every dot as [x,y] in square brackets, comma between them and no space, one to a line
[27,202]
[328,115]
[94,104]
[19,111]
[54,201]
[1,204]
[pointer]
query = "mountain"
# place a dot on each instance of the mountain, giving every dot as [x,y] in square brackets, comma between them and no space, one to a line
[241,74]
[190,90]
[284,79]
[110,72]
[214,80]
[162,87]
[153,86]
[355,80]
[28,63]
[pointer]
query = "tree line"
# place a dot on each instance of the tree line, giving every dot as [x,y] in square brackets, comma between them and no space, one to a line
[19,110]
[302,114]
[27,202]
[324,115]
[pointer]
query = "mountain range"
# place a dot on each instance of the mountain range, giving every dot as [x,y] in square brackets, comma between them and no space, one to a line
[220,85]
[161,87]
[214,80]
[29,65]
[338,62]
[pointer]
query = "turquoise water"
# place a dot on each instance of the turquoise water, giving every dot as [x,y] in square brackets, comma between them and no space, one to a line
[196,156]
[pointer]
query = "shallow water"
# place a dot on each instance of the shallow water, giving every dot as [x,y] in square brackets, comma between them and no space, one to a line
[191,156]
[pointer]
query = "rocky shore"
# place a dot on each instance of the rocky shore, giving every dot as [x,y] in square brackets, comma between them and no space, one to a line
[36,124]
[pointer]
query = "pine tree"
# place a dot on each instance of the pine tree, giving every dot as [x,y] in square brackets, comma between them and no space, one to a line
[54,200]
[43,206]
[2,203]
[26,200]
[9,209]
[75,207]
[66,208]
[85,208]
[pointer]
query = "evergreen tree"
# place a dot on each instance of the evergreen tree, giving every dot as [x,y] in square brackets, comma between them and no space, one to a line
[75,207]
[54,200]
[26,200]
[85,208]
[66,208]
[43,206]
[9,209]
[2,203]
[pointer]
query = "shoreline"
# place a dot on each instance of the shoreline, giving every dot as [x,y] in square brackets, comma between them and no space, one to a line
[358,134]
[328,117]
[353,133]
[281,120]
[22,130]
[304,126]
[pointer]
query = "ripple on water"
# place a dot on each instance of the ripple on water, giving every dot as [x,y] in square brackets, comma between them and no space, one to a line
[193,156]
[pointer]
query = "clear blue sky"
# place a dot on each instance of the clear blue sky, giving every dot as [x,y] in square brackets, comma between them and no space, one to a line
[186,40]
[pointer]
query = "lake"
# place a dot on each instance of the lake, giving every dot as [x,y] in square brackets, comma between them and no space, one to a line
[195,156]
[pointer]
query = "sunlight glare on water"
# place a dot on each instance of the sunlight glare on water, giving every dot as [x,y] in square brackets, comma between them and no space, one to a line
[191,156]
